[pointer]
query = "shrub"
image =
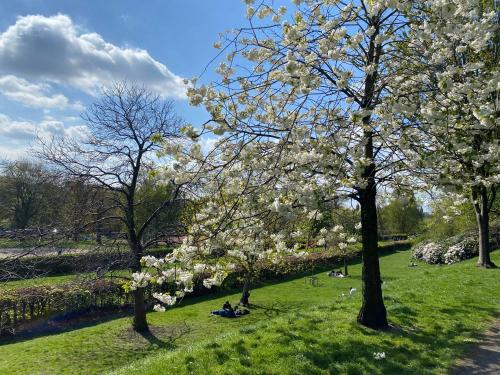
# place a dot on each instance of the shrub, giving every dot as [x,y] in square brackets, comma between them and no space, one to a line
[465,249]
[429,252]
[92,261]
[452,250]
[23,305]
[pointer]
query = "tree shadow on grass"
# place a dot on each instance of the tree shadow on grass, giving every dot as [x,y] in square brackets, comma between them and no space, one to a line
[163,337]
[55,325]
[275,308]
[60,324]
[358,356]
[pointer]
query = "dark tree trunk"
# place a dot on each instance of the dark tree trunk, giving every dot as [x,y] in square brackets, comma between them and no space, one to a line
[480,201]
[345,265]
[98,232]
[98,224]
[373,313]
[98,237]
[245,294]
[140,322]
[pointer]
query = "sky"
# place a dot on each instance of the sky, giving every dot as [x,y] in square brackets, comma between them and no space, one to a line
[55,56]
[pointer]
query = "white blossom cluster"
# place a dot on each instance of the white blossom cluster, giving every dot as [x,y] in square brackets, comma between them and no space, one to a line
[336,237]
[453,99]
[178,269]
[463,250]
[281,119]
[333,100]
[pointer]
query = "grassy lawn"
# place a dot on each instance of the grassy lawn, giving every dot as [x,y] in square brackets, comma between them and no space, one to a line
[63,244]
[37,281]
[56,280]
[294,328]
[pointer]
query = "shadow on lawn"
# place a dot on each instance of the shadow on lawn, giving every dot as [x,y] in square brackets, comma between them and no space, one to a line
[163,337]
[303,339]
[275,308]
[65,323]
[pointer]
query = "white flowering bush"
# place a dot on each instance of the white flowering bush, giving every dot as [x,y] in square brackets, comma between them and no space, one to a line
[465,249]
[429,252]
[452,250]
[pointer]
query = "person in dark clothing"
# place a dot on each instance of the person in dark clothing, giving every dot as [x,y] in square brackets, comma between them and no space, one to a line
[224,313]
[227,306]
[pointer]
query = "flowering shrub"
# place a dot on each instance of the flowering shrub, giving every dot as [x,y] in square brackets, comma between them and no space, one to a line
[429,252]
[466,249]
[450,251]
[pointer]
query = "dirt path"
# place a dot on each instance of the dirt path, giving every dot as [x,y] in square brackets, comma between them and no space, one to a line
[483,358]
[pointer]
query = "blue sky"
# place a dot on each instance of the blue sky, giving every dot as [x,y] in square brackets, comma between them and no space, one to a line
[54,55]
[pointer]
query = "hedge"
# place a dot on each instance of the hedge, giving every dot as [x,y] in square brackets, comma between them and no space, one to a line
[19,306]
[51,265]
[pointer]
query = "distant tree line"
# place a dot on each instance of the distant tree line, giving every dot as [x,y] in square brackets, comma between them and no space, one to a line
[39,202]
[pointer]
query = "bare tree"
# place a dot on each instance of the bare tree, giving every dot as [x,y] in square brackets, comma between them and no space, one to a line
[125,126]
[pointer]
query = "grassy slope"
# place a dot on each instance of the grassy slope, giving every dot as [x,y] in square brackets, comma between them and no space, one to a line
[297,328]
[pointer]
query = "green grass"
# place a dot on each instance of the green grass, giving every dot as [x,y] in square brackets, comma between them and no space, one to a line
[57,280]
[37,281]
[295,328]
[62,244]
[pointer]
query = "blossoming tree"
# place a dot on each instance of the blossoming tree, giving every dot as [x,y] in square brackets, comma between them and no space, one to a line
[450,102]
[177,271]
[338,240]
[241,227]
[301,95]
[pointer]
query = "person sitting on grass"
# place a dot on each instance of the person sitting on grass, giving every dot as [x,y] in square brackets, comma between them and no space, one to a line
[228,312]
[225,313]
[336,274]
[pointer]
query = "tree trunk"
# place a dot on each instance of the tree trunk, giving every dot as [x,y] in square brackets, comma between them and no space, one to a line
[480,201]
[245,295]
[139,323]
[98,233]
[345,265]
[373,313]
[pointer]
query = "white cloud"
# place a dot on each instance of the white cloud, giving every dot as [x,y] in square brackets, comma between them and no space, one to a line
[33,94]
[24,132]
[207,143]
[16,130]
[53,49]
